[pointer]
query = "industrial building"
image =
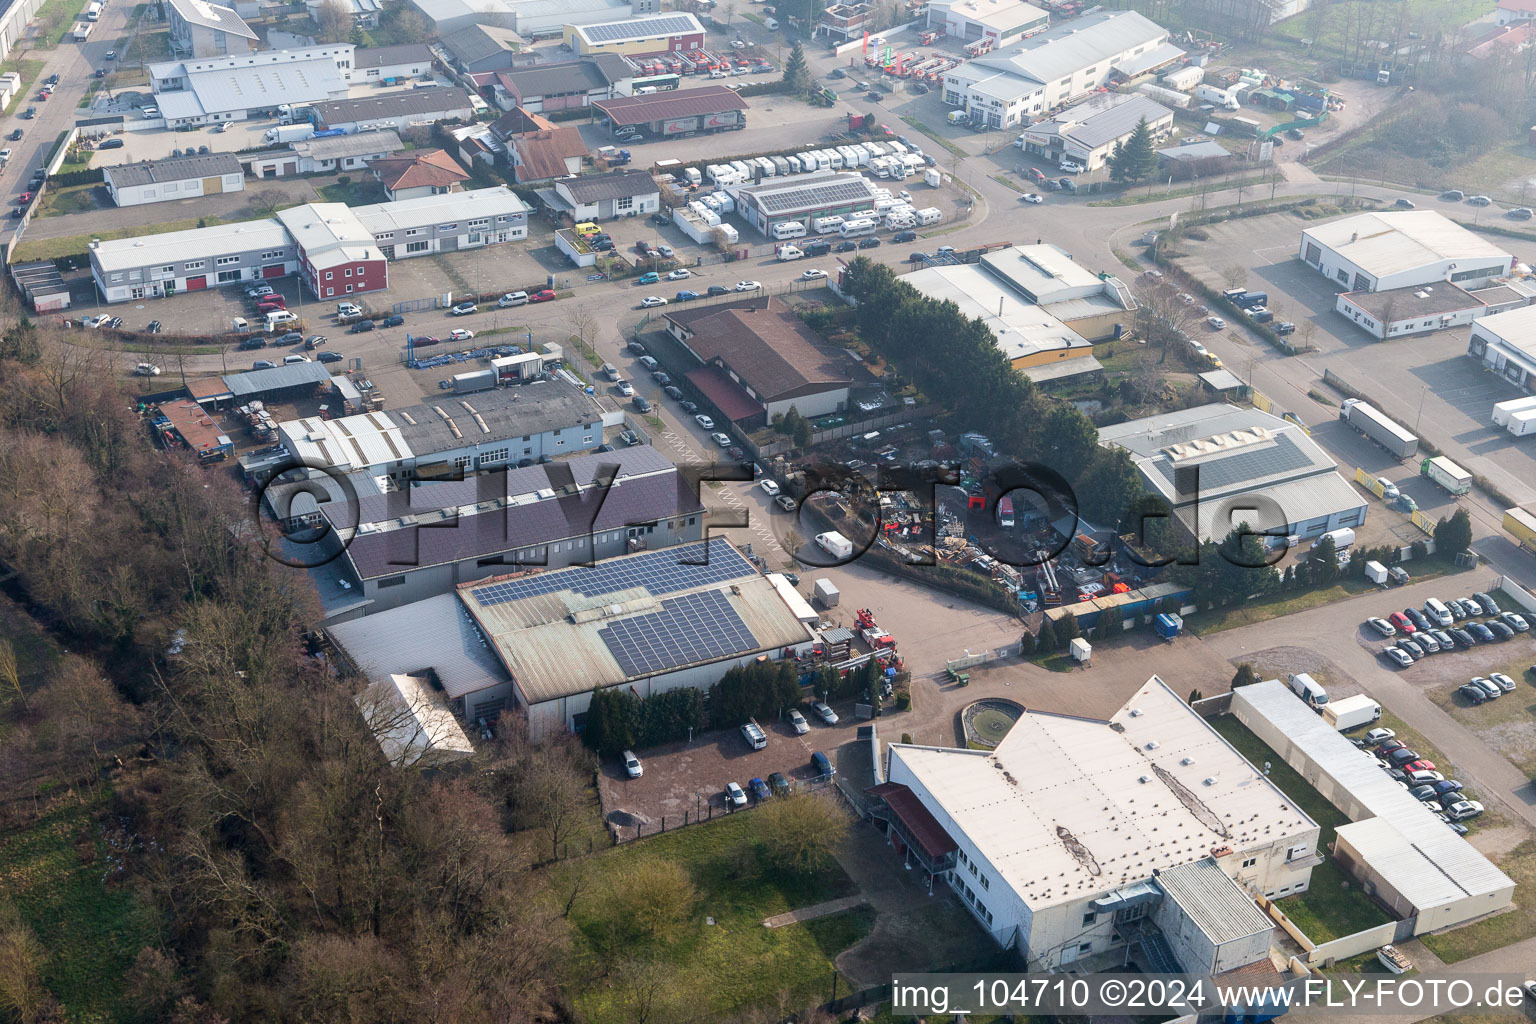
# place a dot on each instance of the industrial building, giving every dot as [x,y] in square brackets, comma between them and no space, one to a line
[759,359]
[677,114]
[1415,309]
[1003,22]
[481,48]
[1371,252]
[650,621]
[1089,842]
[1506,344]
[377,65]
[1219,466]
[420,173]
[530,19]
[625,193]
[234,88]
[803,199]
[339,250]
[398,110]
[673,32]
[563,86]
[152,266]
[1087,133]
[1404,856]
[414,727]
[202,29]
[318,156]
[180,177]
[431,537]
[1008,87]
[547,154]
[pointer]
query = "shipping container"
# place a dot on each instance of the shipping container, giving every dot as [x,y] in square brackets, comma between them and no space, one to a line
[1503,410]
[1523,423]
[1521,525]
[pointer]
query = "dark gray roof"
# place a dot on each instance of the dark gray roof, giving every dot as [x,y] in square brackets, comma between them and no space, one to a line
[258,382]
[506,412]
[596,72]
[613,185]
[378,57]
[176,168]
[438,100]
[646,487]
[478,42]
[436,633]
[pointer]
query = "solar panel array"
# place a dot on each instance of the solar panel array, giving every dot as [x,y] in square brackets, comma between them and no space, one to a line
[688,629]
[659,572]
[836,193]
[643,28]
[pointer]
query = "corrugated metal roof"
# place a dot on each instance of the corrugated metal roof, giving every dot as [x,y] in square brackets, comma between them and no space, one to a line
[436,634]
[1156,57]
[663,106]
[357,144]
[382,56]
[613,185]
[254,383]
[439,102]
[1081,43]
[179,168]
[191,244]
[448,424]
[1424,860]
[425,211]
[1394,242]
[1104,119]
[1213,901]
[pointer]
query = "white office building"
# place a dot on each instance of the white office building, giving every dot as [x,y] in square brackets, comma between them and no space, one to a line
[1078,838]
[1378,251]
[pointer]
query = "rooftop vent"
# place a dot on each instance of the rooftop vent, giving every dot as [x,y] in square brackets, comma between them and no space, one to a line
[1187,761]
[1152,744]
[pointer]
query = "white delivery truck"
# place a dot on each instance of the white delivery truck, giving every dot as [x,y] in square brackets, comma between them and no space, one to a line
[1447,474]
[1342,538]
[1308,689]
[1504,410]
[1523,422]
[1351,712]
[289,133]
[826,592]
[835,544]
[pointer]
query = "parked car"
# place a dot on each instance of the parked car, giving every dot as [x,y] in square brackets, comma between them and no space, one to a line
[679,274]
[1486,602]
[1404,204]
[263,364]
[1382,626]
[394,320]
[759,789]
[849,246]
[625,388]
[1424,793]
[721,439]
[748,286]
[685,296]
[716,289]
[786,503]
[1454,195]
[1411,646]
[364,326]
[734,795]
[1503,681]
[904,236]
[1398,657]
[1492,689]
[650,277]
[824,712]
[542,295]
[869,243]
[1462,810]
[779,784]
[1482,632]
[798,723]
[1376,736]
[641,403]
[251,343]
[464,309]
[1402,756]
[770,487]
[812,274]
[1443,639]
[1500,631]
[330,357]
[1403,623]
[1462,637]
[651,301]
[704,421]
[1479,201]
[821,765]
[632,766]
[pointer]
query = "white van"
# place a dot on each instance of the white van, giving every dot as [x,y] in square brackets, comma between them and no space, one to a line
[789,229]
[771,24]
[827,225]
[855,228]
[1438,612]
[512,299]
[789,252]
[280,316]
[645,90]
[295,358]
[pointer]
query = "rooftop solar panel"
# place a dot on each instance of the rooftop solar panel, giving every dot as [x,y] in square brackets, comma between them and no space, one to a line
[688,629]
[641,29]
[802,197]
[659,572]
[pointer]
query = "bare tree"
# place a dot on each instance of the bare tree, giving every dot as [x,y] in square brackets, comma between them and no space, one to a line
[333,22]
[22,993]
[266,202]
[10,679]
[583,324]
[1234,274]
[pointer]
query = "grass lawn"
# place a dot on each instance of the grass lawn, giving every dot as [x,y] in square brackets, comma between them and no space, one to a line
[77,245]
[937,136]
[354,193]
[1327,910]
[734,962]
[1495,932]
[91,932]
[74,199]
[30,71]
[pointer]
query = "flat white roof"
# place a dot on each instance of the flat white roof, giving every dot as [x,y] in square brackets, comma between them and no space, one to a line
[1392,243]
[410,724]
[1515,330]
[1043,272]
[440,209]
[1066,808]
[191,244]
[1021,328]
[1399,837]
[329,234]
[1002,15]
[346,443]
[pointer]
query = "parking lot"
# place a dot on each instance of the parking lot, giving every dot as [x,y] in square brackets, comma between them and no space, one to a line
[1426,382]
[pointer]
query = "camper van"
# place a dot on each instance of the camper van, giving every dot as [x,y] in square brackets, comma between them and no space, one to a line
[827,225]
[789,229]
[856,228]
[932,215]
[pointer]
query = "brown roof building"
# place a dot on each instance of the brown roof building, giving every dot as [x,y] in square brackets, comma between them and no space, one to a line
[429,173]
[707,108]
[542,155]
[759,359]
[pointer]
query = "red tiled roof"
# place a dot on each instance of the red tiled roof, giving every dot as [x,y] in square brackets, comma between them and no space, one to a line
[920,824]
[728,396]
[708,99]
[543,154]
[432,168]
[1523,6]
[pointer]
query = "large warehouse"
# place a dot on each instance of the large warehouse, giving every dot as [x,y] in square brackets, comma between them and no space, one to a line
[396,110]
[1004,22]
[1087,133]
[183,177]
[208,90]
[1230,465]
[1402,853]
[1377,251]
[1075,836]
[803,199]
[709,108]
[1506,344]
[432,537]
[1008,87]
[651,621]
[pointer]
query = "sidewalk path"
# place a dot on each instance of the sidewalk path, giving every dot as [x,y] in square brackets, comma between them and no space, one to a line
[812,912]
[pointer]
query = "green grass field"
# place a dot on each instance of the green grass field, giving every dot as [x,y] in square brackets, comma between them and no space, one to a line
[30,71]
[1275,605]
[1334,905]
[90,931]
[733,962]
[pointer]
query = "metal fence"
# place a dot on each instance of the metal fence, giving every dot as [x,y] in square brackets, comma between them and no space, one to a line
[705,810]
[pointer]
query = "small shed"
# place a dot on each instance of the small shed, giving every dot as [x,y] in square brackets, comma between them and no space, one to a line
[1081,650]
[826,593]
